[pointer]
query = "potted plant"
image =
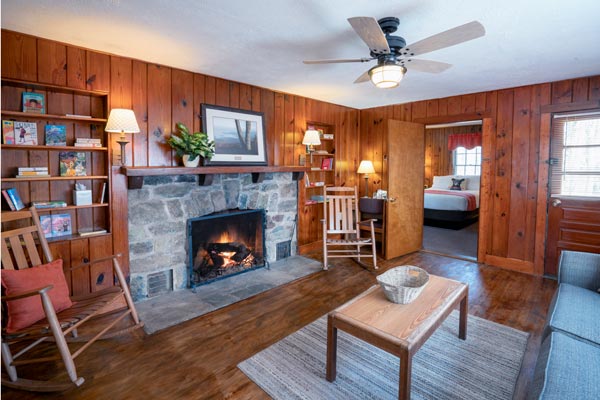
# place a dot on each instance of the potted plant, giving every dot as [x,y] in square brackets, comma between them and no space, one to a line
[191,146]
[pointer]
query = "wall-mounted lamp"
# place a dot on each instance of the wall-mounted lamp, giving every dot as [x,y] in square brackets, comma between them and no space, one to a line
[122,121]
[366,167]
[311,139]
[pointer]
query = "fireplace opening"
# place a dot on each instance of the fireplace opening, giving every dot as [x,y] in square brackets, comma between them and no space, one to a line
[225,244]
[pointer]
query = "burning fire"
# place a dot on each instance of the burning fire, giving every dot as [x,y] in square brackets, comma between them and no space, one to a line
[227,261]
[225,238]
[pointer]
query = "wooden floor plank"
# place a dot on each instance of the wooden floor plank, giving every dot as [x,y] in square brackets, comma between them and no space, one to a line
[197,359]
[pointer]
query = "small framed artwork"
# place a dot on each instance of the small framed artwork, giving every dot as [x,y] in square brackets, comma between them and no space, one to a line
[26,133]
[239,135]
[33,102]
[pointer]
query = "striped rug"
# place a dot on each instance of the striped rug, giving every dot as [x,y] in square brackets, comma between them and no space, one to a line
[485,366]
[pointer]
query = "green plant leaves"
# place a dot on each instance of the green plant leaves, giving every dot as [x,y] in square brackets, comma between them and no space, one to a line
[194,144]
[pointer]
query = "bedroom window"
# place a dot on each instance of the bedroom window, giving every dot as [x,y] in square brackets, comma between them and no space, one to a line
[575,155]
[467,161]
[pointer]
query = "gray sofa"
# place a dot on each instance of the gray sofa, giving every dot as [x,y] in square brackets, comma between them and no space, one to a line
[568,366]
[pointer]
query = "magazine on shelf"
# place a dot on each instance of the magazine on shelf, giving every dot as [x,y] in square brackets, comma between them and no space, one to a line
[26,133]
[61,225]
[8,132]
[49,204]
[15,198]
[72,163]
[33,102]
[46,222]
[56,135]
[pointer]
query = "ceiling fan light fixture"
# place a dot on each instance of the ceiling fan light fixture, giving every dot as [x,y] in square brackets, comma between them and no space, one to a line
[387,75]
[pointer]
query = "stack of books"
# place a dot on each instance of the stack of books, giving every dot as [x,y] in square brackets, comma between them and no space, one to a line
[49,204]
[32,172]
[88,142]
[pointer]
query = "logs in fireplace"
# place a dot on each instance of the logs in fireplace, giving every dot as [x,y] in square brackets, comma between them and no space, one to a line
[224,244]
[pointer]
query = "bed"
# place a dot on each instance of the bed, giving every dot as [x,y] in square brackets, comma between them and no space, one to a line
[453,209]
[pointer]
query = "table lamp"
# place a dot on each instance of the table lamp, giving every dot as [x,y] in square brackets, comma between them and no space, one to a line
[366,167]
[122,121]
[311,139]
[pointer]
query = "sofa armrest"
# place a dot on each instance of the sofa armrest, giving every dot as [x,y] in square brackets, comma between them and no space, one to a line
[579,269]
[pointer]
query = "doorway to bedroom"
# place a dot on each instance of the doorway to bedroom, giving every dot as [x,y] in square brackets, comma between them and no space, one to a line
[452,186]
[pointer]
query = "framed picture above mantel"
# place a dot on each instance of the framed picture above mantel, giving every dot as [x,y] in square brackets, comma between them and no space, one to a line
[239,135]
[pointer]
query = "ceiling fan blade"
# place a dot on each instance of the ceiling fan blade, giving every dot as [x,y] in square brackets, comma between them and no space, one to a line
[363,78]
[348,60]
[460,34]
[370,32]
[433,67]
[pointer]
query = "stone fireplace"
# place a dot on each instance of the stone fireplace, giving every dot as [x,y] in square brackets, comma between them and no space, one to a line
[159,211]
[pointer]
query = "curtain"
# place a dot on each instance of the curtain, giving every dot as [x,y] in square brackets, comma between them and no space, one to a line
[466,140]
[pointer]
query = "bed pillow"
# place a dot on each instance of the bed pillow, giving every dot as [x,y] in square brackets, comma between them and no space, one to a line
[457,183]
[442,182]
[473,182]
[24,312]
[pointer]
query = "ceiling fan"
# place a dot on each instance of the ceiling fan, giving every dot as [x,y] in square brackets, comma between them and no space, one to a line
[394,57]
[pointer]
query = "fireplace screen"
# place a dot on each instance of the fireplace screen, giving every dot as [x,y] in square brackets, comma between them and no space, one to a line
[225,244]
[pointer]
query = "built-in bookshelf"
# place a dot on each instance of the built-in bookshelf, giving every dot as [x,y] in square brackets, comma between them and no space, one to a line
[82,113]
[320,164]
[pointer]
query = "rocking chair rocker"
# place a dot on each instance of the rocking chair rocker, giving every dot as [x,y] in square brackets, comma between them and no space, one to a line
[46,324]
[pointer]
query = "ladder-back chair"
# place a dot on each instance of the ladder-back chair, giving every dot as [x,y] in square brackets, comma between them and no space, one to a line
[22,236]
[341,227]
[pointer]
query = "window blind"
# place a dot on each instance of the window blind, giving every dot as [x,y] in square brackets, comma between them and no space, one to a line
[575,154]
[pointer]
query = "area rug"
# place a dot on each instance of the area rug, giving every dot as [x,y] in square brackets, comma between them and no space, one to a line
[179,306]
[485,366]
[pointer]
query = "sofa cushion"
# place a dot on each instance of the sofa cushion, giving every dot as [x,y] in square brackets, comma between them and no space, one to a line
[566,369]
[576,312]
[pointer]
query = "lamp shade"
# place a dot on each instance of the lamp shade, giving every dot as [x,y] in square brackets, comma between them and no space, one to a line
[366,167]
[387,75]
[311,137]
[122,120]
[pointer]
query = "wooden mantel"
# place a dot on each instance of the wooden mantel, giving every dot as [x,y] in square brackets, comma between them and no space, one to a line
[135,175]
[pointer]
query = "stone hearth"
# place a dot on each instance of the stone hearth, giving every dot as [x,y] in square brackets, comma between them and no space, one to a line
[158,213]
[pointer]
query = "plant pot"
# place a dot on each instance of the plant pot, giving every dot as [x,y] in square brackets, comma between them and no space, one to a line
[191,164]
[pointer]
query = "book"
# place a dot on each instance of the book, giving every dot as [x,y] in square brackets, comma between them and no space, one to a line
[38,169]
[86,232]
[8,132]
[88,144]
[26,133]
[33,176]
[8,201]
[88,140]
[328,136]
[15,198]
[78,116]
[61,225]
[102,194]
[49,204]
[327,163]
[46,223]
[33,102]
[72,163]
[33,173]
[56,135]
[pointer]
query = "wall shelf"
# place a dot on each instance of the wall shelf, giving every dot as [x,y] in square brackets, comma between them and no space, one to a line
[30,115]
[52,148]
[135,175]
[55,178]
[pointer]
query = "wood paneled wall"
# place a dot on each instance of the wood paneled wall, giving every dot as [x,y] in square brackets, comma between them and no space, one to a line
[161,96]
[511,146]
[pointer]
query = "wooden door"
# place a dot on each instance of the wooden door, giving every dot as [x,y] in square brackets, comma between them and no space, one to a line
[573,224]
[404,214]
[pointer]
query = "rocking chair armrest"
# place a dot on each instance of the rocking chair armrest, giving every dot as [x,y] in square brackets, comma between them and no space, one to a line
[89,263]
[30,293]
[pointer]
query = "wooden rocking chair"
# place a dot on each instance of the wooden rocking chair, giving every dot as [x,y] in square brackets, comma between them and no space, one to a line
[341,227]
[20,243]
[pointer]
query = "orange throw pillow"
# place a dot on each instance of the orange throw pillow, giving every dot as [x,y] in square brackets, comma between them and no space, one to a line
[24,312]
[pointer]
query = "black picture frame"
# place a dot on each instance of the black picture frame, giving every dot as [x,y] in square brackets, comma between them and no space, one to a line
[239,135]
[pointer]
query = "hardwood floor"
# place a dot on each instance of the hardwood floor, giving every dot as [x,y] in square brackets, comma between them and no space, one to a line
[197,359]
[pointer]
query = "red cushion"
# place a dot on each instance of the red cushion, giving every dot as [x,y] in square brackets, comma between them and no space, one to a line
[24,312]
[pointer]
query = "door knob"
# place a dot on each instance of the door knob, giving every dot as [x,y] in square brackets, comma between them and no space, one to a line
[392,199]
[556,203]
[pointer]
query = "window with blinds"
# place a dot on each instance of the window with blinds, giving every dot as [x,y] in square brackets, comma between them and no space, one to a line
[575,155]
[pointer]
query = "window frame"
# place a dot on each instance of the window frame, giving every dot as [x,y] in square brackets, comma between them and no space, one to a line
[478,156]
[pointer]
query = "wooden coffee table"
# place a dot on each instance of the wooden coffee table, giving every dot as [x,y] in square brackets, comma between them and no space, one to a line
[400,329]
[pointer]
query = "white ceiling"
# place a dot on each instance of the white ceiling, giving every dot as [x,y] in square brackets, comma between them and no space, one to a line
[263,42]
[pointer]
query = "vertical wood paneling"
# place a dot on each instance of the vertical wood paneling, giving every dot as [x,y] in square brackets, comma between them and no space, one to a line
[255,99]
[222,93]
[419,109]
[467,103]
[159,115]
[80,278]
[98,71]
[52,62]
[234,94]
[268,108]
[580,90]
[101,274]
[245,97]
[19,56]
[290,128]
[299,128]
[139,102]
[594,89]
[502,175]
[199,91]
[562,92]
[210,90]
[182,102]
[433,108]
[278,130]
[517,233]
[120,97]
[76,67]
